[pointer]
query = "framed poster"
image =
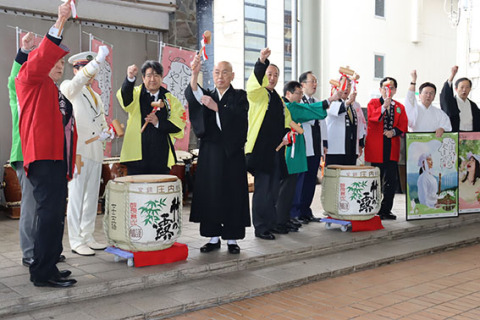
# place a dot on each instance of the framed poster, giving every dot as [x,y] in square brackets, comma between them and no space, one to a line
[432,175]
[469,172]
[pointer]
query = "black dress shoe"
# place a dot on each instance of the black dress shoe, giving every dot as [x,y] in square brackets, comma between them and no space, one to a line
[303,220]
[27,262]
[291,227]
[234,248]
[55,283]
[64,273]
[61,258]
[267,235]
[314,219]
[210,247]
[279,229]
[295,222]
[388,216]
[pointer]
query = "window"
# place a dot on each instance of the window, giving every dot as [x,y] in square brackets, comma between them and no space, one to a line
[287,37]
[379,66]
[380,8]
[255,32]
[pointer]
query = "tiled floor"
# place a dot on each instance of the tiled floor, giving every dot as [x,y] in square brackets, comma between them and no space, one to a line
[440,286]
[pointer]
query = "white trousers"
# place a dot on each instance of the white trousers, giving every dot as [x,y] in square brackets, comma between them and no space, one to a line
[82,205]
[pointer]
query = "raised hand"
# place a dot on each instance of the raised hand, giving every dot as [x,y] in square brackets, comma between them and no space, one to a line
[102,54]
[351,98]
[414,75]
[453,73]
[264,54]
[28,42]
[132,71]
[196,65]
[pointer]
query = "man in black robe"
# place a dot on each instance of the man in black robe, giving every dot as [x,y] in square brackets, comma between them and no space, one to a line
[220,119]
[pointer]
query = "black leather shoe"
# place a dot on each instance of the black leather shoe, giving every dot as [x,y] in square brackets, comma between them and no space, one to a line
[303,220]
[55,283]
[388,216]
[291,227]
[233,248]
[210,247]
[27,262]
[314,219]
[296,222]
[279,229]
[61,258]
[267,235]
[64,273]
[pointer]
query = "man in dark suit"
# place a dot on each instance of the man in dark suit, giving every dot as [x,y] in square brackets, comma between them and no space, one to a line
[220,119]
[463,112]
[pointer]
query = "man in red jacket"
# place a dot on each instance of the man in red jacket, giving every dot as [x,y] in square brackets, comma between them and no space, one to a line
[48,135]
[387,121]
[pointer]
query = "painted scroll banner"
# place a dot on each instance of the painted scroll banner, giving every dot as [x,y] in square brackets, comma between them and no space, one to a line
[176,77]
[432,175]
[103,86]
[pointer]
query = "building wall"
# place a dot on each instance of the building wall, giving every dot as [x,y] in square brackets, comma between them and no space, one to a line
[353,36]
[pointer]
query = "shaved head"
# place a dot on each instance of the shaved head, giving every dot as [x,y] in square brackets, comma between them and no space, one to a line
[223,75]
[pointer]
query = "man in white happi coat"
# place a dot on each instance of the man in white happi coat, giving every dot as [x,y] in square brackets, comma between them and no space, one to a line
[346,129]
[422,115]
[83,189]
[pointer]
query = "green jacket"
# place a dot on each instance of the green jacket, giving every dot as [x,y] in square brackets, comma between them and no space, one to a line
[16,152]
[301,112]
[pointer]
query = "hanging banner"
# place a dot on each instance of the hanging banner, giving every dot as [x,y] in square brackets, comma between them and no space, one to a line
[432,175]
[469,172]
[176,77]
[103,86]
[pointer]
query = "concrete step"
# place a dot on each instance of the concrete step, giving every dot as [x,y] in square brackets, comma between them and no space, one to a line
[184,286]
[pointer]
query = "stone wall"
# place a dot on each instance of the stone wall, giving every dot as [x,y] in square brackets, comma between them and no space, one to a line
[183,25]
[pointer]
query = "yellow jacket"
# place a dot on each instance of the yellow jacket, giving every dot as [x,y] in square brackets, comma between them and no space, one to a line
[132,141]
[258,99]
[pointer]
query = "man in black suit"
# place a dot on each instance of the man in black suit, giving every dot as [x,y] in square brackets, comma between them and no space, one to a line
[463,112]
[220,119]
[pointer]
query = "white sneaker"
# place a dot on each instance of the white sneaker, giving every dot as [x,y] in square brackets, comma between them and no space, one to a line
[95,245]
[83,250]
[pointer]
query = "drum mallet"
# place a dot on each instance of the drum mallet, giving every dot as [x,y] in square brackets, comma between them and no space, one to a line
[156,106]
[296,128]
[388,89]
[345,72]
[79,163]
[206,38]
[117,128]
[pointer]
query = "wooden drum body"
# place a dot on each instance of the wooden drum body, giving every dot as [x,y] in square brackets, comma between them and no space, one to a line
[143,212]
[12,190]
[351,192]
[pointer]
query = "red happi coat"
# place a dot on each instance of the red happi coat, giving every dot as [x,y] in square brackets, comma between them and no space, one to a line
[41,124]
[374,139]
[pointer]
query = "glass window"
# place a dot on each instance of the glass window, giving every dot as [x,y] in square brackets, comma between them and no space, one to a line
[380,8]
[253,27]
[255,13]
[251,56]
[257,2]
[253,42]
[379,66]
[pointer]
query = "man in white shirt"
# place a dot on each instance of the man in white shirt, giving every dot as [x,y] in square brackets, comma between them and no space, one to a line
[463,112]
[422,115]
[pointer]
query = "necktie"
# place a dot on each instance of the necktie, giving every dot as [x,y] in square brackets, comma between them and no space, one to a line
[349,112]
[93,95]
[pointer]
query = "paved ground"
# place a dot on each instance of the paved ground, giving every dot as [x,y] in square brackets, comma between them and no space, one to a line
[440,286]
[109,290]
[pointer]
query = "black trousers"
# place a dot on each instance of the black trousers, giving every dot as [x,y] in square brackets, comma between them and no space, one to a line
[305,189]
[265,196]
[49,181]
[388,176]
[285,198]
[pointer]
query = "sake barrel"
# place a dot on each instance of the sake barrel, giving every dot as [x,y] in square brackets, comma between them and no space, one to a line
[351,192]
[143,212]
